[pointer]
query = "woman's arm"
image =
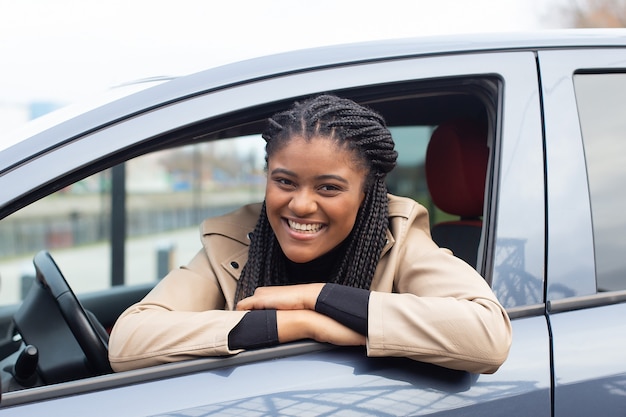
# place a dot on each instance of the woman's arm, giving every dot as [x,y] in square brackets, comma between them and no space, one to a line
[443,313]
[181,318]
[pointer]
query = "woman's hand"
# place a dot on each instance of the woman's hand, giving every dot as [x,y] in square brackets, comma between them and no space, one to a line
[306,324]
[296,317]
[289,297]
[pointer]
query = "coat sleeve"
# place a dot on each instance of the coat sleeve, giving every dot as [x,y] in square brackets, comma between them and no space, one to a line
[181,318]
[441,311]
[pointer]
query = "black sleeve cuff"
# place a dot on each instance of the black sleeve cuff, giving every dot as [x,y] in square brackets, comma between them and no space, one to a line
[347,305]
[257,329]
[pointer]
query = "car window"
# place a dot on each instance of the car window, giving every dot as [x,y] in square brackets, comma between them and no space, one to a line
[164,195]
[601,107]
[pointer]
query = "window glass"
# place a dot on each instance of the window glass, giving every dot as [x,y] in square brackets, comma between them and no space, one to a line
[601,107]
[168,193]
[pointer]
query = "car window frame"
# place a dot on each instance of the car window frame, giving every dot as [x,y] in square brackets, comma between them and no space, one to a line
[563,134]
[113,144]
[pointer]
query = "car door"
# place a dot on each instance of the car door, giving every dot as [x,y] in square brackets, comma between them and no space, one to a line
[583,94]
[511,257]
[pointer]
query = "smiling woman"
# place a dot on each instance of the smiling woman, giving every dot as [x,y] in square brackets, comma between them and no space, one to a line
[332,257]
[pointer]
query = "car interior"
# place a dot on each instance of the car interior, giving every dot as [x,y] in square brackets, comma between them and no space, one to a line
[57,330]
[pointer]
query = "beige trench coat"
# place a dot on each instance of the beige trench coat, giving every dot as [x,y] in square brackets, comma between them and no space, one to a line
[425,304]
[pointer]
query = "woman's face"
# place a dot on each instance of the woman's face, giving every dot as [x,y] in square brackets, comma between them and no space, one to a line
[314,191]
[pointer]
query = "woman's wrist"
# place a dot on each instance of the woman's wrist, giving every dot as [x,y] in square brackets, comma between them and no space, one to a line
[307,324]
[293,325]
[313,293]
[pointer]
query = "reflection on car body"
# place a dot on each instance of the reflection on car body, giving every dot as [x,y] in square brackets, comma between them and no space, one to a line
[136,175]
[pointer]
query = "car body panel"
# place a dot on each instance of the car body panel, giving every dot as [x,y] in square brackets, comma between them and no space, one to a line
[589,372]
[519,232]
[332,381]
[571,269]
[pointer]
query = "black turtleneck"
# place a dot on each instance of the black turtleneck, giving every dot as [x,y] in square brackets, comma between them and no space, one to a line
[318,270]
[347,305]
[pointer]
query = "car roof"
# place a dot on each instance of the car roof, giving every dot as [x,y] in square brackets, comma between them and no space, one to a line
[353,53]
[17,148]
[342,54]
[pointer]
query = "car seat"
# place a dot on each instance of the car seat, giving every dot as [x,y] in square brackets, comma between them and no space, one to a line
[456,168]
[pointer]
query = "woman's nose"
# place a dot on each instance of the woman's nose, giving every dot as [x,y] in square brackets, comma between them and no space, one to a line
[303,203]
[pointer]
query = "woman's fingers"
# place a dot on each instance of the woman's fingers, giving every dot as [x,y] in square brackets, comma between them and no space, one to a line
[289,297]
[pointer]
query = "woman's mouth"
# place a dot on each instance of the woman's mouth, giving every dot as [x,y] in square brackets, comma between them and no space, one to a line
[304,227]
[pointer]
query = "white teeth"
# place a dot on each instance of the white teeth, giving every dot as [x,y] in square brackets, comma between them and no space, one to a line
[309,228]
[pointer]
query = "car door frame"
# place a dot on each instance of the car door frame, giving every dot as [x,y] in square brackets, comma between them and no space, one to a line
[581,319]
[525,375]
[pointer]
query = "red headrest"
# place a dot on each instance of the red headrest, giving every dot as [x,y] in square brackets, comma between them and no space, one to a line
[456,166]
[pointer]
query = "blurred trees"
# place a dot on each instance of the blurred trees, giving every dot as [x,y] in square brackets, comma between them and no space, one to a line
[593,13]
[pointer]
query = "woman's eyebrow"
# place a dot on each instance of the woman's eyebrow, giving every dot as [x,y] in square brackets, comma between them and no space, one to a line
[331,177]
[284,172]
[324,177]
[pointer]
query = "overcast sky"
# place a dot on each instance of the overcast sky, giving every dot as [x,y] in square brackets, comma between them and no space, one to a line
[68,50]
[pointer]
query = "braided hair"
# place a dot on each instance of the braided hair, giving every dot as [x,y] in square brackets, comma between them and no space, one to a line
[363,132]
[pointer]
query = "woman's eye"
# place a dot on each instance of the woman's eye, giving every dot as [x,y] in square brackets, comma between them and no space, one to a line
[283,181]
[329,188]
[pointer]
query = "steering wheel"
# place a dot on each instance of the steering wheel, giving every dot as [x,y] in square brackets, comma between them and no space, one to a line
[72,344]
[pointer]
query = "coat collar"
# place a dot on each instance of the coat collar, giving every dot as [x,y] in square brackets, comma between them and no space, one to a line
[241,223]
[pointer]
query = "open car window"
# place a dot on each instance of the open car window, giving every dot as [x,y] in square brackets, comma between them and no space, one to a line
[150,207]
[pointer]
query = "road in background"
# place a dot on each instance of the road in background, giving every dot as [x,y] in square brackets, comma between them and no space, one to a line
[92,271]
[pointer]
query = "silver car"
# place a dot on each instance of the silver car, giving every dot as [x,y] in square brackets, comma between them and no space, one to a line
[97,206]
